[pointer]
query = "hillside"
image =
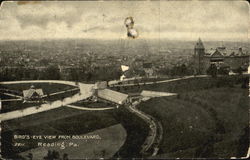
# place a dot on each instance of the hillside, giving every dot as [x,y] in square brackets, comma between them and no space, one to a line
[208,119]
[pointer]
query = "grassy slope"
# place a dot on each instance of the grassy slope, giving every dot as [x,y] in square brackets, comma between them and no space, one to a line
[176,116]
[59,121]
[114,136]
[71,121]
[137,131]
[207,119]
[185,85]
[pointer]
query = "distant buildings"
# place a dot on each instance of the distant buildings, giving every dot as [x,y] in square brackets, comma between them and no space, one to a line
[148,69]
[221,57]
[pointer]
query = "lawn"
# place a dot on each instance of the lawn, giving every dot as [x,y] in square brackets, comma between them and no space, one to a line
[187,85]
[113,136]
[137,131]
[58,121]
[16,105]
[47,87]
[208,119]
[70,121]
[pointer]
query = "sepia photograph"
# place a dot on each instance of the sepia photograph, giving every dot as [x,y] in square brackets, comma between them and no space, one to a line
[123,79]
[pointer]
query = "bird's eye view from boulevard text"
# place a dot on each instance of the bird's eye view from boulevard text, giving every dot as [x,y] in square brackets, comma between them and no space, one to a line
[124,79]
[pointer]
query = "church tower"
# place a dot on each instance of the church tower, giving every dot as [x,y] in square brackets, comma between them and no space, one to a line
[199,52]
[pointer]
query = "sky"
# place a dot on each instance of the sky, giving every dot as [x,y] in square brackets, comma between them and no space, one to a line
[177,20]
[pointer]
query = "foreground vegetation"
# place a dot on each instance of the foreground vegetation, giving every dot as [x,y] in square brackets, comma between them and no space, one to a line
[61,121]
[67,121]
[188,85]
[137,131]
[209,118]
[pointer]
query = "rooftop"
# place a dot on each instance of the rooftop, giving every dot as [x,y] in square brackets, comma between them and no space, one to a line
[226,52]
[32,93]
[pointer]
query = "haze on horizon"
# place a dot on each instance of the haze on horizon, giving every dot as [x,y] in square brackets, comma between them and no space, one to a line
[174,20]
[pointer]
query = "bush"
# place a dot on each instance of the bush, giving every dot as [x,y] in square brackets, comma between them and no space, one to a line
[212,70]
[223,71]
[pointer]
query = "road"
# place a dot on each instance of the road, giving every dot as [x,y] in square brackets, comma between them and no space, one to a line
[9,100]
[61,92]
[12,95]
[150,140]
[157,82]
[90,109]
[86,90]
[41,81]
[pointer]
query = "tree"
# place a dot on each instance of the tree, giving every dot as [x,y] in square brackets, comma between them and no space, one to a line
[89,76]
[65,156]
[245,82]
[239,70]
[212,70]
[183,69]
[52,72]
[73,74]
[223,70]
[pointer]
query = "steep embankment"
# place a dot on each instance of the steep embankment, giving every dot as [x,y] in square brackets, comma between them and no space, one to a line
[208,118]
[137,131]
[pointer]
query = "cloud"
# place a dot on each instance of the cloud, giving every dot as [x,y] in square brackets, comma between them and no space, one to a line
[183,20]
[40,15]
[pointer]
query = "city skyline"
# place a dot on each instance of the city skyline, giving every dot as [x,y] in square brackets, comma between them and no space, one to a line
[213,20]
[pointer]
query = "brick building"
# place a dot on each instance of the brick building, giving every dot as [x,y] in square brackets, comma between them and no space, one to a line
[221,56]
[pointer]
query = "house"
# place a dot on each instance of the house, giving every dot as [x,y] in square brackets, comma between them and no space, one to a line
[220,56]
[32,93]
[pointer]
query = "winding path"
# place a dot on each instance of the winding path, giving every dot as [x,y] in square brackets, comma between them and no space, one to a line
[155,133]
[152,125]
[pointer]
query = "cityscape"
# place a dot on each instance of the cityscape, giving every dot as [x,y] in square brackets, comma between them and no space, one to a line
[82,82]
